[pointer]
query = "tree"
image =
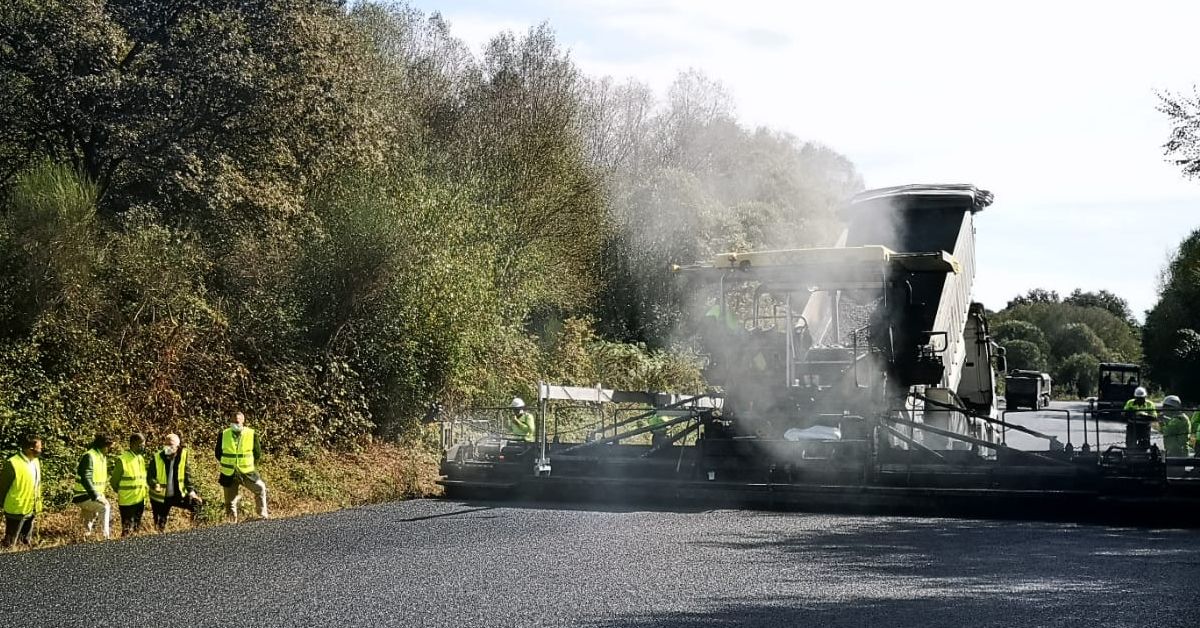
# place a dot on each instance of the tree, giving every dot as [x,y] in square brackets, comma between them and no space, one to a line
[220,103]
[212,117]
[1077,374]
[49,248]
[1010,330]
[1121,341]
[333,213]
[691,182]
[396,289]
[1103,299]
[167,150]
[1037,295]
[1183,144]
[1075,338]
[1170,338]
[520,138]
[1024,355]
[616,122]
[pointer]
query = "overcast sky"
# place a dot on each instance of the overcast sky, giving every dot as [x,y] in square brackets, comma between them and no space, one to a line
[1051,105]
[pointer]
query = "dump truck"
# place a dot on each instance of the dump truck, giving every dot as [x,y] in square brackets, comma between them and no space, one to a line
[1026,389]
[856,376]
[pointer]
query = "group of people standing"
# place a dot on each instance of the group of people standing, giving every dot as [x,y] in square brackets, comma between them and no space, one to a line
[164,476]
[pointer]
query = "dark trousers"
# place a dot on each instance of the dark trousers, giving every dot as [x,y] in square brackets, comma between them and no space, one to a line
[17,527]
[162,510]
[131,517]
[1137,434]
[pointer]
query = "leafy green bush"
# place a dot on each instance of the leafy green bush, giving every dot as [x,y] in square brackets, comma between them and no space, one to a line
[1070,329]
[1077,374]
[1023,354]
[1075,338]
[1010,330]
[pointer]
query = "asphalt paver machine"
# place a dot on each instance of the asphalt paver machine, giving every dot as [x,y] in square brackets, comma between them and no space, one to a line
[858,376]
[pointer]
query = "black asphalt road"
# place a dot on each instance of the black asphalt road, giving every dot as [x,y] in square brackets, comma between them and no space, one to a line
[1053,421]
[435,563]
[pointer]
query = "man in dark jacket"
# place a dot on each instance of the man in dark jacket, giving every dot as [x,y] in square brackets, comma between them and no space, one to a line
[91,481]
[170,477]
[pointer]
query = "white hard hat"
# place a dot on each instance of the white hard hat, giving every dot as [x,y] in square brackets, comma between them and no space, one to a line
[1140,393]
[518,402]
[1172,401]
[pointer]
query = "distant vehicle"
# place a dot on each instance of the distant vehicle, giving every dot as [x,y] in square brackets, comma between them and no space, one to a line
[1026,389]
[1116,384]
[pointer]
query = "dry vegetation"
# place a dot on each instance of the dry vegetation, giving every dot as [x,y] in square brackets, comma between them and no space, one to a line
[323,482]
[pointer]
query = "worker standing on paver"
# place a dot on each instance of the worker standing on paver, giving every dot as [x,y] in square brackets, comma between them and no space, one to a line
[658,433]
[171,482]
[129,481]
[1196,433]
[1140,412]
[1175,427]
[522,423]
[91,479]
[238,451]
[21,490]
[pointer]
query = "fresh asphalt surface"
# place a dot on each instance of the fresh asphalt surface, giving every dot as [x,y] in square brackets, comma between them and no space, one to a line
[1054,422]
[441,563]
[447,563]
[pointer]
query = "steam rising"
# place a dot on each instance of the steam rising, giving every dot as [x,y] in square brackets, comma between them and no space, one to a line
[851,332]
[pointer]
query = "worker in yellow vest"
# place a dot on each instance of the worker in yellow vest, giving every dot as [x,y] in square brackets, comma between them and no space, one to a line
[1174,425]
[1195,437]
[658,433]
[239,451]
[1140,412]
[21,490]
[726,316]
[91,480]
[129,481]
[171,485]
[522,423]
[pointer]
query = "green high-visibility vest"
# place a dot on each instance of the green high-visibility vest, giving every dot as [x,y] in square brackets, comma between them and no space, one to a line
[25,495]
[731,321]
[523,425]
[237,451]
[1147,408]
[99,474]
[160,474]
[132,488]
[1175,433]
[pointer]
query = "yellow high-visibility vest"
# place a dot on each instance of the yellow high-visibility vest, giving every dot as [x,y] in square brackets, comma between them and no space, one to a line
[523,425]
[1147,408]
[237,451]
[1175,426]
[99,474]
[25,495]
[160,474]
[731,321]
[132,488]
